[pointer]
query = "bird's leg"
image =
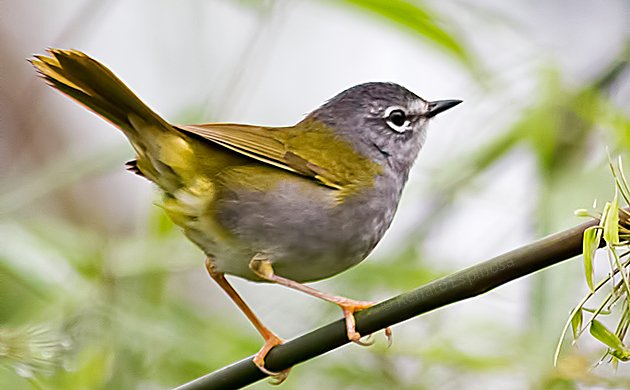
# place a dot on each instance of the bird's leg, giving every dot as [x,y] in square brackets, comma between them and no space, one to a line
[271,339]
[262,267]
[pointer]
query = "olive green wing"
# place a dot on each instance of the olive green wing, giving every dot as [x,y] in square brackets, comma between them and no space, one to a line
[274,146]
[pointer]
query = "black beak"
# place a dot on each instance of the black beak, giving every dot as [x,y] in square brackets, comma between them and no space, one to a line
[439,106]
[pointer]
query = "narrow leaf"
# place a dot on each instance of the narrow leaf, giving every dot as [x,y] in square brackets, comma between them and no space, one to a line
[590,242]
[576,323]
[611,222]
[601,333]
[419,19]
[623,183]
[623,354]
[581,213]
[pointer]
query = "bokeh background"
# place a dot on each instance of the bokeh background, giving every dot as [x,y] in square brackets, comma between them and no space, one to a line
[98,290]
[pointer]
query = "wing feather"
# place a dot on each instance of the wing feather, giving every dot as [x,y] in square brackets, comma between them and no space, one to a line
[310,149]
[263,144]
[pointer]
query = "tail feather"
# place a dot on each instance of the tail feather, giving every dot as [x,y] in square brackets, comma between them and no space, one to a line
[132,166]
[96,87]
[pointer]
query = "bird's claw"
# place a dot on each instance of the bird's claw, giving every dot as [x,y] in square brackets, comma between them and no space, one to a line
[276,377]
[259,360]
[369,340]
[350,307]
[388,334]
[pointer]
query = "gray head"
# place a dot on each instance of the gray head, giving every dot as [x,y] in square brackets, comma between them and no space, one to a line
[384,121]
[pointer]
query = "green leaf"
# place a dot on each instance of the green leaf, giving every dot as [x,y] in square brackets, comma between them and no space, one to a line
[622,183]
[576,323]
[582,213]
[623,355]
[611,222]
[419,19]
[601,333]
[590,242]
[615,364]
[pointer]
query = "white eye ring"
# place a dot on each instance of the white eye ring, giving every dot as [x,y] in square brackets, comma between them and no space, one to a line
[394,115]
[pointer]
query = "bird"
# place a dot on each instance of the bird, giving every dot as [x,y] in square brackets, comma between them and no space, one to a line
[285,205]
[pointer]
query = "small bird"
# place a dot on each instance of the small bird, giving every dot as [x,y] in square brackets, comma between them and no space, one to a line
[285,205]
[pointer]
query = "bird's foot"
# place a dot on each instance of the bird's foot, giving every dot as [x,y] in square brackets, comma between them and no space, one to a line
[263,267]
[259,359]
[271,339]
[351,306]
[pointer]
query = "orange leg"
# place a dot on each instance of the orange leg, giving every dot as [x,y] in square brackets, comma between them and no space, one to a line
[263,268]
[271,339]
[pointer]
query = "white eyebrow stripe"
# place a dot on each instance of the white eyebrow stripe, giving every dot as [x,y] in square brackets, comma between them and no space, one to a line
[417,106]
[391,109]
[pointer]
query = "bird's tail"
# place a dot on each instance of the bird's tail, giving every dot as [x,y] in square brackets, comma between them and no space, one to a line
[93,85]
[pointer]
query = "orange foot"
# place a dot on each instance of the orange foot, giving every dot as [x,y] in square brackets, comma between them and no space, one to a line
[271,340]
[262,267]
[349,307]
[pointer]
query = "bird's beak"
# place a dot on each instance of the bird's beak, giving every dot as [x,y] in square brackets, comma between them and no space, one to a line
[439,106]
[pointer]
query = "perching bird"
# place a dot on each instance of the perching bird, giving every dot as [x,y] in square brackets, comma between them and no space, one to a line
[269,204]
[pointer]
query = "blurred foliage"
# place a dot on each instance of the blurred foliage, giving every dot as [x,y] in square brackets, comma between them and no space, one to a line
[84,307]
[422,21]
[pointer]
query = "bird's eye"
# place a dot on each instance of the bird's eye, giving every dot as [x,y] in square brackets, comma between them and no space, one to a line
[396,119]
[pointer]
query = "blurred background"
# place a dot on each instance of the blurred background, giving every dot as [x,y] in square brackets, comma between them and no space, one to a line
[98,290]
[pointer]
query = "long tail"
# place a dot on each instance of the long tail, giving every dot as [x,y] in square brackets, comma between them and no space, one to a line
[93,85]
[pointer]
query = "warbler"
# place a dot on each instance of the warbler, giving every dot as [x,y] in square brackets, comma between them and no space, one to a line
[269,204]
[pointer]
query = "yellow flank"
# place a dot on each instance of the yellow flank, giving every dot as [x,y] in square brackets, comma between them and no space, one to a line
[174,151]
[189,202]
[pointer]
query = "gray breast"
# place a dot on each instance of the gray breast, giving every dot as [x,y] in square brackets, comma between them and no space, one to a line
[305,231]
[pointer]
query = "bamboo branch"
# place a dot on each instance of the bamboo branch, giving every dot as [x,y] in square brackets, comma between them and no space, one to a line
[461,285]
